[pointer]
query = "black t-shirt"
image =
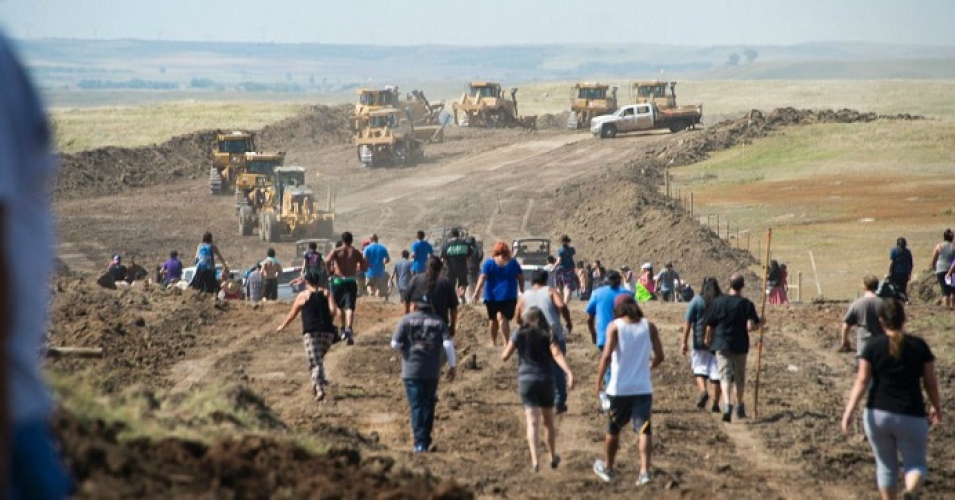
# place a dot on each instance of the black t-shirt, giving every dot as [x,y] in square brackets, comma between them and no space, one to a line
[316,315]
[475,260]
[896,384]
[118,272]
[728,316]
[456,252]
[442,300]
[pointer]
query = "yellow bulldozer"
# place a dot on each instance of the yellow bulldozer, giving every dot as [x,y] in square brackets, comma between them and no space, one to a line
[654,91]
[589,100]
[425,117]
[232,154]
[388,137]
[484,105]
[282,204]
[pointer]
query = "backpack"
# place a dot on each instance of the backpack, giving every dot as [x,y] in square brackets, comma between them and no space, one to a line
[888,290]
[686,294]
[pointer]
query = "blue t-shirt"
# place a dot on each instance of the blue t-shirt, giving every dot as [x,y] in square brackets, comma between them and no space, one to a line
[420,251]
[205,258]
[375,255]
[501,281]
[601,308]
[565,257]
[901,259]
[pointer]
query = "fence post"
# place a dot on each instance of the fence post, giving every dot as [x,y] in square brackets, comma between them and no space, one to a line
[717,225]
[799,284]
[691,203]
[667,180]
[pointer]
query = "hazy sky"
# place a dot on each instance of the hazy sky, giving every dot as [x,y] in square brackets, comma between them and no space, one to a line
[484,22]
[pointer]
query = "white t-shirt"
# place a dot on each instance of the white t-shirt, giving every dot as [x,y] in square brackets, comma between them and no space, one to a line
[630,360]
[27,168]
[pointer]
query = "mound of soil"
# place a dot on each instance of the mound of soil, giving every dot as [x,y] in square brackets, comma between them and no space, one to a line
[246,466]
[110,169]
[553,121]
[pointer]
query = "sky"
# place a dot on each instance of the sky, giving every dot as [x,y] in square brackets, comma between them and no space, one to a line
[488,22]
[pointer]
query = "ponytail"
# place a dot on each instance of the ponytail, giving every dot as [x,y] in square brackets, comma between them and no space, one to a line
[892,316]
[433,272]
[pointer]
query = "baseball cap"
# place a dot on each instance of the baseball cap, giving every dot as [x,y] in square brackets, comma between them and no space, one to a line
[116,258]
[623,298]
[646,265]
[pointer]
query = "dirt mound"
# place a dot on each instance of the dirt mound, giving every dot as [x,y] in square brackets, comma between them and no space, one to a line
[110,169]
[143,330]
[925,288]
[553,121]
[245,466]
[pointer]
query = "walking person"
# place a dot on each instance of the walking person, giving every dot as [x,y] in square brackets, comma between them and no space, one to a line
[774,283]
[254,284]
[632,350]
[401,275]
[30,465]
[600,310]
[420,251]
[567,279]
[502,279]
[551,303]
[893,370]
[583,277]
[702,361]
[538,352]
[943,257]
[376,258]
[647,280]
[205,279]
[901,266]
[864,316]
[667,283]
[420,336]
[271,268]
[728,324]
[318,329]
[455,254]
[629,279]
[474,266]
[783,284]
[434,288]
[347,262]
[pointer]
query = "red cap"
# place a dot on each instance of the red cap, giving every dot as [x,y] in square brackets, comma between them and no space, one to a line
[623,298]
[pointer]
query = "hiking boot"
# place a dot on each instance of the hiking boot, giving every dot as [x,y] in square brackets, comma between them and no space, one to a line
[702,400]
[740,411]
[716,406]
[728,413]
[555,461]
[601,470]
[643,479]
[561,409]
[348,336]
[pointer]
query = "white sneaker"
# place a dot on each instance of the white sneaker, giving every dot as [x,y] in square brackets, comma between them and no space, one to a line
[600,469]
[643,479]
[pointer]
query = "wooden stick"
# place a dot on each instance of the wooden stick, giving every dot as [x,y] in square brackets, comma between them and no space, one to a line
[75,352]
[762,316]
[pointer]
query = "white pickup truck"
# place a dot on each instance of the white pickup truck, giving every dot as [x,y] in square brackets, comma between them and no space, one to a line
[645,116]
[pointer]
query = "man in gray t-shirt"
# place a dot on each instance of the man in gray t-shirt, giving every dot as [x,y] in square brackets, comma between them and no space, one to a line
[863,315]
[420,336]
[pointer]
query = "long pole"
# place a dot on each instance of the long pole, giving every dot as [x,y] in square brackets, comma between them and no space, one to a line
[762,317]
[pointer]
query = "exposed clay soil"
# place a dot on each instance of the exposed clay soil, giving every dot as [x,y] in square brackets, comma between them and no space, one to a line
[501,184]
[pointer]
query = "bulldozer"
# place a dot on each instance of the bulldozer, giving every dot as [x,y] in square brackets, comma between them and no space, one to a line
[484,105]
[282,204]
[589,100]
[425,117]
[388,137]
[232,153]
[654,91]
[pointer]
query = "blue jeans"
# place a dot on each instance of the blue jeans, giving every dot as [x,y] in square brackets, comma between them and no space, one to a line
[37,471]
[560,378]
[421,393]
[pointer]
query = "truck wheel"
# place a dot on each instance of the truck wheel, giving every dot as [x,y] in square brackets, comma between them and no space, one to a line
[215,181]
[608,132]
[677,126]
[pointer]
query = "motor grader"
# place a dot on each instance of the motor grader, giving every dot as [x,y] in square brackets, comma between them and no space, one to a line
[388,138]
[282,204]
[232,152]
[484,105]
[589,100]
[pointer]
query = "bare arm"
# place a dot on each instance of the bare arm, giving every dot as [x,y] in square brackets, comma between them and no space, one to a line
[332,306]
[657,347]
[604,363]
[930,382]
[520,282]
[477,288]
[508,350]
[935,252]
[300,301]
[558,301]
[519,311]
[708,335]
[562,363]
[862,381]
[846,327]
[684,347]
[591,325]
[215,249]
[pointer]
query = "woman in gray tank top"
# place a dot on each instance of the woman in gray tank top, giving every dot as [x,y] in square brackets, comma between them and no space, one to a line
[551,304]
[942,258]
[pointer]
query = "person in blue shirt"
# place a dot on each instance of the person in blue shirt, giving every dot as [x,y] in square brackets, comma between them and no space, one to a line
[376,256]
[420,251]
[600,310]
[504,277]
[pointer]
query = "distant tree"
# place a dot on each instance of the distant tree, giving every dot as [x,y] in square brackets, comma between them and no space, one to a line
[733,60]
[750,54]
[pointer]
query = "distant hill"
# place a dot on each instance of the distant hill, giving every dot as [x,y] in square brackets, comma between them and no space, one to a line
[261,67]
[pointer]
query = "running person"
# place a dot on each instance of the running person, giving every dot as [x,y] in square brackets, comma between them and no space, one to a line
[503,277]
[943,257]
[401,275]
[633,348]
[318,329]
[376,257]
[567,279]
[420,251]
[455,254]
[314,263]
[893,370]
[552,305]
[271,268]
[347,262]
[204,279]
[538,352]
[702,361]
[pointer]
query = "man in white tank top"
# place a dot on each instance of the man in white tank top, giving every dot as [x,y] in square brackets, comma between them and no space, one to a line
[631,350]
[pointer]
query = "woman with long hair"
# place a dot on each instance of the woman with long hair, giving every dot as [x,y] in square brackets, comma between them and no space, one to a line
[774,283]
[318,328]
[504,279]
[204,279]
[702,361]
[893,369]
[537,350]
[435,289]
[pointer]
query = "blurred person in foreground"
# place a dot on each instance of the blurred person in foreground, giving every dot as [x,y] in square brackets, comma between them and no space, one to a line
[29,465]
[893,369]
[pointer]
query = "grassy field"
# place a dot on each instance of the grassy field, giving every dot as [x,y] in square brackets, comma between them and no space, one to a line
[835,194]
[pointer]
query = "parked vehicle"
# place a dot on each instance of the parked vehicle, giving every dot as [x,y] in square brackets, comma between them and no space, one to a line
[643,117]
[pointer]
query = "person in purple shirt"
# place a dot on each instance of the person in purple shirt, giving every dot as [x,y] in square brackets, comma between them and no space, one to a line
[171,270]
